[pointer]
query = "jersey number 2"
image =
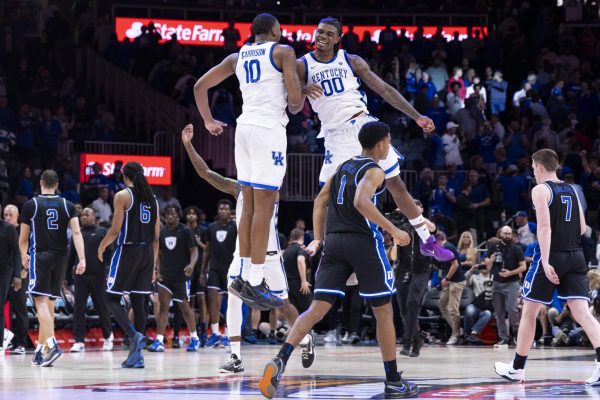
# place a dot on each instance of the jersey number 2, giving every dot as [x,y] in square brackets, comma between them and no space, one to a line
[567,200]
[52,215]
[252,69]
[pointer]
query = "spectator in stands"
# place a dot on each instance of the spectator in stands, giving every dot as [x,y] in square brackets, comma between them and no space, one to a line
[439,74]
[25,129]
[453,284]
[367,46]
[443,198]
[166,198]
[457,73]
[430,89]
[545,134]
[82,123]
[424,187]
[525,229]
[115,182]
[497,88]
[438,114]
[451,144]
[301,224]
[480,198]
[350,41]
[221,106]
[570,179]
[435,151]
[513,189]
[467,253]
[455,178]
[231,36]
[479,312]
[454,102]
[515,142]
[49,133]
[465,214]
[388,42]
[508,262]
[101,206]
[24,190]
[476,89]
[412,76]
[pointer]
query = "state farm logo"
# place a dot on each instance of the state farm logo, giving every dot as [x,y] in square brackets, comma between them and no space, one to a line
[108,169]
[188,31]
[157,169]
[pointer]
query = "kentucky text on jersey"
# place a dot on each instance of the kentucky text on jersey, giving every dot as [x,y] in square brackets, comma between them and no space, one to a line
[329,73]
[253,53]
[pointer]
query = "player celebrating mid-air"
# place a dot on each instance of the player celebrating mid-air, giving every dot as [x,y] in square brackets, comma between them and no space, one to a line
[136,227]
[44,222]
[558,263]
[274,272]
[269,83]
[332,80]
[347,205]
[178,254]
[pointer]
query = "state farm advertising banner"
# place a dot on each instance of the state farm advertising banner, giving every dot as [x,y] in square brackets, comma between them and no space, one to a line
[210,33]
[157,169]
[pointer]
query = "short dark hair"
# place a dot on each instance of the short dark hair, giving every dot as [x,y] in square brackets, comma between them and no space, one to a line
[263,23]
[296,234]
[195,209]
[336,24]
[225,201]
[49,178]
[372,133]
[546,157]
[171,207]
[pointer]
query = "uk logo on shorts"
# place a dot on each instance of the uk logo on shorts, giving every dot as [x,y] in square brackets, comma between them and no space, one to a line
[277,157]
[328,157]
[171,242]
[221,235]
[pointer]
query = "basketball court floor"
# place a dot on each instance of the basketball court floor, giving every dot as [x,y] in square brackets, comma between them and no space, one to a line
[339,372]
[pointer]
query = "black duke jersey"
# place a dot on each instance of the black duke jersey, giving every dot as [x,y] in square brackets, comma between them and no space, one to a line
[48,217]
[138,223]
[564,217]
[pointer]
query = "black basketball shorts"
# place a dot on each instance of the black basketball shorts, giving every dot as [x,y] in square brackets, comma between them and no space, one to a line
[131,270]
[217,279]
[47,271]
[179,291]
[344,253]
[196,289]
[571,268]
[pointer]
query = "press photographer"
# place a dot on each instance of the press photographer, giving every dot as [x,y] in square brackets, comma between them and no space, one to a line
[412,275]
[508,262]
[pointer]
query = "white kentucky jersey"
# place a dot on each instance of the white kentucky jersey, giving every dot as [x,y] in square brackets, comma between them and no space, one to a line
[264,93]
[342,99]
[273,246]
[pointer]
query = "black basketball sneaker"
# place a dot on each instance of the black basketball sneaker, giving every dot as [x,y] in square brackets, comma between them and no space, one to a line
[400,390]
[234,366]
[308,352]
[271,377]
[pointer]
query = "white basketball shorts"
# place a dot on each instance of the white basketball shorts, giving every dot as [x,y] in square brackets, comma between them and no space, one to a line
[260,155]
[342,144]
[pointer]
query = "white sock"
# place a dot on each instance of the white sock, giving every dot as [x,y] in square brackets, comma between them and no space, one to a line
[39,347]
[194,335]
[110,338]
[234,316]
[226,331]
[160,338]
[51,342]
[245,267]
[257,274]
[236,348]
[304,341]
[215,328]
[422,230]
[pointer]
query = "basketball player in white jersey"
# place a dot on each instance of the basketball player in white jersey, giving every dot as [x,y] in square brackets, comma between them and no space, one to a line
[274,271]
[269,83]
[332,81]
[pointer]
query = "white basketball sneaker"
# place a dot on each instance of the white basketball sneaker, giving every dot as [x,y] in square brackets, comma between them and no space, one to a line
[594,380]
[8,337]
[108,343]
[77,347]
[507,372]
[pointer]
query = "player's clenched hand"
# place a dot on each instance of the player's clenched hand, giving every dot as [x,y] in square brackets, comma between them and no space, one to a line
[313,247]
[215,127]
[101,253]
[80,268]
[187,134]
[25,261]
[551,274]
[188,270]
[426,124]
[401,238]
[313,91]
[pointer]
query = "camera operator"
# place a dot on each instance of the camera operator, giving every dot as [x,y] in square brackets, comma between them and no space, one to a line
[508,262]
[412,276]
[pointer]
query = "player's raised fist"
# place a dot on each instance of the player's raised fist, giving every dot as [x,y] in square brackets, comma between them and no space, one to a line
[214,127]
[426,124]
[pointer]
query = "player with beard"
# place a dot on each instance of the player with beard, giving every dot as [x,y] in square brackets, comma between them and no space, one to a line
[332,80]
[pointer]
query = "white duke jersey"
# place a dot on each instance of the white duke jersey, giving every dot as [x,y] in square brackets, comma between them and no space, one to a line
[273,247]
[342,97]
[264,93]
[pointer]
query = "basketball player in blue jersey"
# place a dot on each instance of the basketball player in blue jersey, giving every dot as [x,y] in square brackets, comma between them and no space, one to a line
[136,228]
[43,244]
[353,244]
[269,83]
[332,80]
[274,271]
[558,264]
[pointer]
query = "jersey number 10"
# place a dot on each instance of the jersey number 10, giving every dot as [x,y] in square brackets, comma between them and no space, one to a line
[252,69]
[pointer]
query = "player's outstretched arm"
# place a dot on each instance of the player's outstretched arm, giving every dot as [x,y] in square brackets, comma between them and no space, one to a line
[78,243]
[365,191]
[212,78]
[388,93]
[287,59]
[227,185]
[122,199]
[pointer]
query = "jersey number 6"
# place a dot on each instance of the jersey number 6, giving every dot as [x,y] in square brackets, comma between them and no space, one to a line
[145,215]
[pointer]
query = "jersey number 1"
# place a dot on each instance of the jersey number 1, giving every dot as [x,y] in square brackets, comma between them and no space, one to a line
[340,198]
[569,202]
[252,69]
